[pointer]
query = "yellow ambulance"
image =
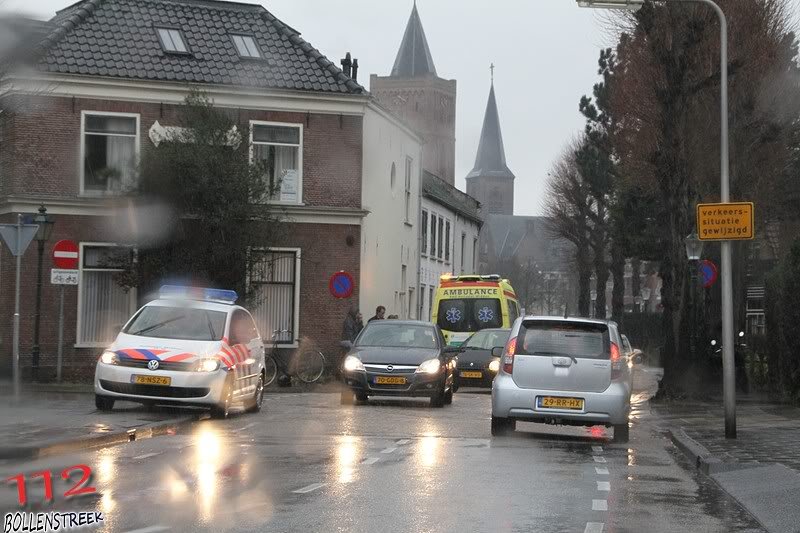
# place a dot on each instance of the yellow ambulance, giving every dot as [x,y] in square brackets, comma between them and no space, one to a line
[466,304]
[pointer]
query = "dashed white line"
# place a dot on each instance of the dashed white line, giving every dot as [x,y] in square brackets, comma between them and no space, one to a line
[151,529]
[309,488]
[597,449]
[370,461]
[604,486]
[599,459]
[389,450]
[601,471]
[147,455]
[402,442]
[594,527]
[599,505]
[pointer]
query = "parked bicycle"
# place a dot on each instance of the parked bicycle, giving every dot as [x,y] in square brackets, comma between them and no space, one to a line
[306,364]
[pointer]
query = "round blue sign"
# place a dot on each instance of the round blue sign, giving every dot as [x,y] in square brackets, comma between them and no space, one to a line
[341,285]
[709,273]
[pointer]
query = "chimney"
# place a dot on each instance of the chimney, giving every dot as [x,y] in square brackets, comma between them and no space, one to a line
[346,64]
[355,69]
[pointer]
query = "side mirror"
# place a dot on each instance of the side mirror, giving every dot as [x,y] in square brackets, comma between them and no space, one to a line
[638,357]
[497,351]
[346,344]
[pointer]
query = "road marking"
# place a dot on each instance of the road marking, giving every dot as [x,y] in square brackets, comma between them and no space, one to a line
[599,505]
[370,461]
[604,486]
[309,488]
[599,459]
[388,450]
[594,527]
[402,442]
[597,449]
[601,471]
[151,529]
[147,455]
[248,426]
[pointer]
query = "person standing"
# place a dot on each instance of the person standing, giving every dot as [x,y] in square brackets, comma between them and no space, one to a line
[353,324]
[380,314]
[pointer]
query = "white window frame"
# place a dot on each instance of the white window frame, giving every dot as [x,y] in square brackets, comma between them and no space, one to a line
[409,172]
[424,228]
[81,169]
[296,125]
[78,322]
[298,255]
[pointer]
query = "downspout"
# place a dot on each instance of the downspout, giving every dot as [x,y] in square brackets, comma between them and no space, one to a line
[419,233]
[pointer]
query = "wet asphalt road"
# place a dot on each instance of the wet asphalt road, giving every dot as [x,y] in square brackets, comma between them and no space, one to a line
[305,463]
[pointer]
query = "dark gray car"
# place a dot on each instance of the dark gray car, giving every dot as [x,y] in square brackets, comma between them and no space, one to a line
[477,367]
[400,358]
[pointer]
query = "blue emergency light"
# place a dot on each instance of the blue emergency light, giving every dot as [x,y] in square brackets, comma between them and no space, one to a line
[198,293]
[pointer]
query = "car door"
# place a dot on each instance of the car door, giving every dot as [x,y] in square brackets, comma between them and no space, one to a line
[249,351]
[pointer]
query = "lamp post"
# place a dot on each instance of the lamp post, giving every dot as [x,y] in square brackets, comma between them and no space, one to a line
[45,223]
[646,299]
[694,249]
[728,364]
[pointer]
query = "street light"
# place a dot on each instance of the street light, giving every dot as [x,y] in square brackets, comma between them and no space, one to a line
[728,363]
[694,249]
[45,223]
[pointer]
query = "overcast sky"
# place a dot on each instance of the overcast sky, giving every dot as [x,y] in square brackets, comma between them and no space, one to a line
[545,53]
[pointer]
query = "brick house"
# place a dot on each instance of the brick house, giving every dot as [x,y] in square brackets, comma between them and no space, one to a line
[107,77]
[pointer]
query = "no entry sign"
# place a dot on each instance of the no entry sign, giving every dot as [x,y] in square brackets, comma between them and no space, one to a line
[65,255]
[341,285]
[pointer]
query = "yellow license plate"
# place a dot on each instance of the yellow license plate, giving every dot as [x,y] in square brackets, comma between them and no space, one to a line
[387,380]
[478,375]
[152,380]
[561,403]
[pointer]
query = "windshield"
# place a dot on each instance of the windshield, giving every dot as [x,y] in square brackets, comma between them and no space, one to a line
[184,323]
[564,338]
[487,339]
[469,314]
[392,335]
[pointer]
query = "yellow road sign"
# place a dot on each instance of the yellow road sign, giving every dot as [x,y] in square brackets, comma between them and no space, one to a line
[725,222]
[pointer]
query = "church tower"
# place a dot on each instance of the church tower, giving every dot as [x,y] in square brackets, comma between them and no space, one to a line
[423,100]
[491,182]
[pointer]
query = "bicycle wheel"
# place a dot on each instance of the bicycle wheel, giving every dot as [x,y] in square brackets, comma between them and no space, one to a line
[310,366]
[270,370]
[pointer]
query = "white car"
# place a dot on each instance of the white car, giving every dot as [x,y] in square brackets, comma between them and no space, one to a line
[190,347]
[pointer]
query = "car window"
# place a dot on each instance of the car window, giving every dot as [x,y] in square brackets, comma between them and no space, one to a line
[487,339]
[393,335]
[626,344]
[184,323]
[243,329]
[469,314]
[513,311]
[547,338]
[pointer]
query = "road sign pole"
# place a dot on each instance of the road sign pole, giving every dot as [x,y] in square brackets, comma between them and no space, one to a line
[60,359]
[15,340]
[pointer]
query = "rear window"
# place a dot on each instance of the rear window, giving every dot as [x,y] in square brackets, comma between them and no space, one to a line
[586,340]
[469,314]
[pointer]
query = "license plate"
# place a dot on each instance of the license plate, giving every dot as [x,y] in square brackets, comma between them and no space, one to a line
[152,380]
[551,402]
[470,374]
[390,380]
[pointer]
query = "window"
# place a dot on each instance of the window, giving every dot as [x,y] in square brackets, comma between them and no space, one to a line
[403,290]
[513,311]
[393,334]
[433,235]
[475,254]
[246,46]
[422,292]
[110,145]
[183,323]
[430,301]
[408,188]
[440,238]
[463,250]
[447,241]
[393,176]
[590,341]
[172,40]
[274,276]
[424,230]
[243,329]
[103,306]
[468,314]
[278,148]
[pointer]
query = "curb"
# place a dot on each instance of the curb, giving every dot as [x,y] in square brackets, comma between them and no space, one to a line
[109,439]
[700,456]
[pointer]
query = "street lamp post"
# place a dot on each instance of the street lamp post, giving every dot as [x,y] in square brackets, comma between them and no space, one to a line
[45,223]
[694,249]
[728,363]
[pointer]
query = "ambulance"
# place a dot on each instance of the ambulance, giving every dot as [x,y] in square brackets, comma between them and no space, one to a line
[191,346]
[466,304]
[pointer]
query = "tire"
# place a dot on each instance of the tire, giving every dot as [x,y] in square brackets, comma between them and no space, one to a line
[222,410]
[310,366]
[347,397]
[621,432]
[258,396]
[438,399]
[502,426]
[103,403]
[448,396]
[270,371]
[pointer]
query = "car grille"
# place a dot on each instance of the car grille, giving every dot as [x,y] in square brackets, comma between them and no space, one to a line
[154,390]
[178,366]
[478,366]
[396,369]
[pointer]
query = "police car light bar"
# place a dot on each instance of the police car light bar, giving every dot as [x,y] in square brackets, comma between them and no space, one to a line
[198,293]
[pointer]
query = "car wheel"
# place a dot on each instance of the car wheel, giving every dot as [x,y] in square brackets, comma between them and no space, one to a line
[347,397]
[437,400]
[224,408]
[258,397]
[448,397]
[502,426]
[455,385]
[103,403]
[621,432]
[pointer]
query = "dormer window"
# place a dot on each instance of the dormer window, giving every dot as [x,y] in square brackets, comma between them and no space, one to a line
[246,46]
[172,40]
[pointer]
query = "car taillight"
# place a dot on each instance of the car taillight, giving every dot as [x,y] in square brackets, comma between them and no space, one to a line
[616,362]
[508,355]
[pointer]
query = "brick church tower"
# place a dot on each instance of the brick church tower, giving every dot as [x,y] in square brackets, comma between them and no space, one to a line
[423,100]
[491,182]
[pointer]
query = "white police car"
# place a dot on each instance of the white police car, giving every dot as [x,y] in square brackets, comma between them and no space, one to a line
[190,347]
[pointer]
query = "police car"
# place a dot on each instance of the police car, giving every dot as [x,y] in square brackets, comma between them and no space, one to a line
[191,347]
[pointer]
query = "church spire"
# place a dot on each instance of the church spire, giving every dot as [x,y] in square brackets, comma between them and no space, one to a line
[414,57]
[491,158]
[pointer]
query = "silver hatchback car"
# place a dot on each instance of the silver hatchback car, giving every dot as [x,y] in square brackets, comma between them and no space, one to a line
[562,371]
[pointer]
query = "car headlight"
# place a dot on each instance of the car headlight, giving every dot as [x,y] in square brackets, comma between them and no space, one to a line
[208,365]
[109,358]
[431,366]
[353,364]
[494,366]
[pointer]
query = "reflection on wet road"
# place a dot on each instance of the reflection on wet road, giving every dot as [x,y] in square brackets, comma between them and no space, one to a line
[308,464]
